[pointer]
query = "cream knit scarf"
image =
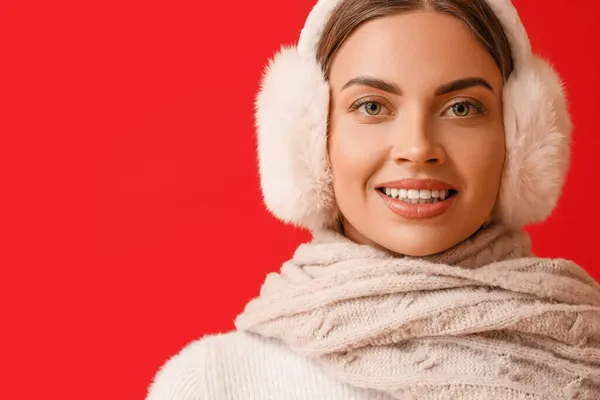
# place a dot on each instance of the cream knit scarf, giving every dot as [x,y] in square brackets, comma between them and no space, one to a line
[483,320]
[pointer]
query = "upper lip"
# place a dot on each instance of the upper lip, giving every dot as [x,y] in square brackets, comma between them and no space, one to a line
[417,184]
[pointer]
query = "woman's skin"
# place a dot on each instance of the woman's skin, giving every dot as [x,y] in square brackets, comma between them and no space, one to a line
[409,128]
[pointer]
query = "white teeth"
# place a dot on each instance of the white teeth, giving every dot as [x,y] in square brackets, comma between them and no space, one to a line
[413,194]
[417,196]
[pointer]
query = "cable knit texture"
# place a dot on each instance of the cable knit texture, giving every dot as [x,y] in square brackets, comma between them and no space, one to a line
[485,319]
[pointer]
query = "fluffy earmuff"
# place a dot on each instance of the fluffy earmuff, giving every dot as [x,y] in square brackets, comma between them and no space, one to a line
[291,119]
[292,113]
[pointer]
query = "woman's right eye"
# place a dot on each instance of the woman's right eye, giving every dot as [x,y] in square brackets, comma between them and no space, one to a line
[373,107]
[369,107]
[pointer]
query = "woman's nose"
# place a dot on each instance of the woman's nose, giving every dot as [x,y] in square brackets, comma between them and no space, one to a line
[415,142]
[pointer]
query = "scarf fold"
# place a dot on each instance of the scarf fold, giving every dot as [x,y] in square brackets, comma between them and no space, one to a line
[484,319]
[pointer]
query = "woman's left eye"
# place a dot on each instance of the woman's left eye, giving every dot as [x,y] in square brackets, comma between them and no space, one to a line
[464,109]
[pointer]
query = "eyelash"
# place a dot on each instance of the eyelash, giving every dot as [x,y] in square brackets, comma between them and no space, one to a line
[357,104]
[477,105]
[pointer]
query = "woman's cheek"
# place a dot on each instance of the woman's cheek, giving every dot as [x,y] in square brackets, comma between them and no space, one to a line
[356,152]
[484,159]
[351,139]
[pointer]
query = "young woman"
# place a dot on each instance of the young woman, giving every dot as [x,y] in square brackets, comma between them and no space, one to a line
[415,139]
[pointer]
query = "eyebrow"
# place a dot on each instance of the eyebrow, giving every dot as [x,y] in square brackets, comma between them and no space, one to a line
[392,88]
[374,83]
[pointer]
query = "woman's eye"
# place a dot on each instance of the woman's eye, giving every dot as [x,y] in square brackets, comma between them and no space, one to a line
[464,109]
[371,107]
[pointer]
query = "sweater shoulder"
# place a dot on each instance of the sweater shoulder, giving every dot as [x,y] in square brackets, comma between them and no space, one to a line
[183,375]
[241,365]
[201,369]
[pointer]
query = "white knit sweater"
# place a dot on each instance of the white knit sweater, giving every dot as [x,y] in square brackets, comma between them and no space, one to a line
[244,366]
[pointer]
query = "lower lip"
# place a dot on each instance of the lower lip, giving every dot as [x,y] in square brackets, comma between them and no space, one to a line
[417,211]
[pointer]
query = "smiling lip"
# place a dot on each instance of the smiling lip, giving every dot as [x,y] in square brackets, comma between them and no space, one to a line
[417,211]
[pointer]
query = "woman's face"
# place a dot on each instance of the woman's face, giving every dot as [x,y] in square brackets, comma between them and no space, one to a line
[416,139]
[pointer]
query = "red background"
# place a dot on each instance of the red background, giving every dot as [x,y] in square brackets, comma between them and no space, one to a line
[133,220]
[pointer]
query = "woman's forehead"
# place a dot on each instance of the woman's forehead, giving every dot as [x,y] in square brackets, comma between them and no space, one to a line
[418,49]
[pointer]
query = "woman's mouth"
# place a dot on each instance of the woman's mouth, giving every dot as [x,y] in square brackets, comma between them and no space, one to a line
[418,199]
[415,196]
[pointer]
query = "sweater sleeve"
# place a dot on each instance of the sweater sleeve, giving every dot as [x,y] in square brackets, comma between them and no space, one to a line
[189,375]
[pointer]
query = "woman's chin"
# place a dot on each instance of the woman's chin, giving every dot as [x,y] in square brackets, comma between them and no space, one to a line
[417,241]
[415,238]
